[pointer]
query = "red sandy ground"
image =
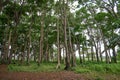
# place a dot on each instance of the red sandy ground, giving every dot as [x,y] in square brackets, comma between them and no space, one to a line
[61,75]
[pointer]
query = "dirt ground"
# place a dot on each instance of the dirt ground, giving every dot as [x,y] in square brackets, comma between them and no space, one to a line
[61,75]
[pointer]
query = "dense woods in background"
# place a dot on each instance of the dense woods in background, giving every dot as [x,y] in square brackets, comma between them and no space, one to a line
[56,30]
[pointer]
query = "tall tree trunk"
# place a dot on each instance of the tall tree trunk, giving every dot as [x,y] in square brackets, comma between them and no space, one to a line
[96,48]
[9,40]
[4,58]
[41,39]
[101,58]
[92,43]
[114,55]
[67,66]
[47,53]
[23,52]
[105,47]
[64,55]
[83,53]
[78,45]
[71,50]
[35,54]
[88,55]
[92,53]
[58,46]
[6,44]
[29,47]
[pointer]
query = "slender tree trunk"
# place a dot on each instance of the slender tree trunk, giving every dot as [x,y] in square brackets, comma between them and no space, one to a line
[73,58]
[4,59]
[14,57]
[29,46]
[10,56]
[92,43]
[41,39]
[88,55]
[105,47]
[109,56]
[47,53]
[58,46]
[97,56]
[64,55]
[83,53]
[101,58]
[35,54]
[71,50]
[51,54]
[78,45]
[67,66]
[92,53]
[114,55]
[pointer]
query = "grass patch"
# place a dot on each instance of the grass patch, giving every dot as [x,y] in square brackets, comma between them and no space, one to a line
[87,67]
[33,67]
[82,70]
[98,67]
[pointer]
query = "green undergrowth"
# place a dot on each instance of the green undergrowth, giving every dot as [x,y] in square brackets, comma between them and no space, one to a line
[87,67]
[33,67]
[97,67]
[91,70]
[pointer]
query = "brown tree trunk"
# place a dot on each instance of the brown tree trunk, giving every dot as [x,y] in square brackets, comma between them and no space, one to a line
[78,45]
[35,54]
[41,39]
[71,50]
[47,53]
[9,40]
[114,55]
[29,46]
[88,55]
[101,58]
[4,53]
[92,53]
[67,60]
[83,53]
[96,48]
[58,46]
[64,55]
[105,47]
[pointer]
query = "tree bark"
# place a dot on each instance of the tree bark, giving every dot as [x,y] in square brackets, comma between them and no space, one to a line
[58,46]
[114,55]
[105,47]
[78,45]
[9,40]
[29,47]
[71,50]
[101,58]
[41,39]
[67,66]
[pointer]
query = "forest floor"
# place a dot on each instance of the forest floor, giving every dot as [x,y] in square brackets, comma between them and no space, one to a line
[59,75]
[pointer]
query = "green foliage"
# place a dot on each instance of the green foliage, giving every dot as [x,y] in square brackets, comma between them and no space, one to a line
[97,67]
[114,41]
[100,17]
